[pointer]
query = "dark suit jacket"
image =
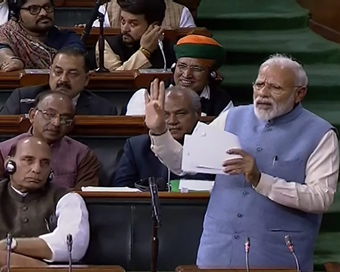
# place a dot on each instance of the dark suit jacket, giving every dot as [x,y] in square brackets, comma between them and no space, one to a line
[219,99]
[88,103]
[139,162]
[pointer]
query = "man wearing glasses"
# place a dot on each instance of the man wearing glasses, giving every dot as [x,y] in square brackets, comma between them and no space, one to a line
[30,39]
[198,58]
[74,164]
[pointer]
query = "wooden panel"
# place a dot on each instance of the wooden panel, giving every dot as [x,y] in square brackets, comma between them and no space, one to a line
[86,125]
[194,268]
[124,80]
[59,268]
[325,19]
[172,35]
[146,195]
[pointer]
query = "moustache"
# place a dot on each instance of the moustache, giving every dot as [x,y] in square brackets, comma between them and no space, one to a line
[64,85]
[126,35]
[43,18]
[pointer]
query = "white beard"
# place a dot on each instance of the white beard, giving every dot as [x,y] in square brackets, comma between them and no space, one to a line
[277,109]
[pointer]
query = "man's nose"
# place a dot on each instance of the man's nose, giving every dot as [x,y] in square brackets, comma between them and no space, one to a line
[172,119]
[187,72]
[56,121]
[42,12]
[64,78]
[125,28]
[36,167]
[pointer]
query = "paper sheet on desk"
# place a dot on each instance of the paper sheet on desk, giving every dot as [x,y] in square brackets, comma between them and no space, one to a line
[205,150]
[108,189]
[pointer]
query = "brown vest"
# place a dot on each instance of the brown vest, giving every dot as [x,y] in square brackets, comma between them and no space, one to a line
[29,216]
[171,20]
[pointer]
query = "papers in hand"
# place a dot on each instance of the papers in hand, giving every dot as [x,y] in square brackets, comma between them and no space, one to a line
[205,149]
[108,189]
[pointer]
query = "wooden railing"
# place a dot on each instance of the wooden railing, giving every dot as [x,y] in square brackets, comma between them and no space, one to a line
[123,80]
[325,19]
[86,125]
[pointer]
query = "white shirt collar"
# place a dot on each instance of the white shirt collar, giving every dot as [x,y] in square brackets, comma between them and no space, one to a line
[75,99]
[18,192]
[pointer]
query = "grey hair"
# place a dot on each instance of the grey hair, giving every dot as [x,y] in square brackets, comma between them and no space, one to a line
[193,96]
[285,61]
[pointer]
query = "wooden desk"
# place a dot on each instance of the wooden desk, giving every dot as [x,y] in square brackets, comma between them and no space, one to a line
[121,229]
[60,268]
[133,79]
[173,35]
[194,268]
[86,125]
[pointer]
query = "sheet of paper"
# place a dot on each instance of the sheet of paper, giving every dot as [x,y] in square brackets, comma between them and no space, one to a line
[108,189]
[196,185]
[205,150]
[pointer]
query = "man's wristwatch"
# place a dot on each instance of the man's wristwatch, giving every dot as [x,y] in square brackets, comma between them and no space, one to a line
[14,244]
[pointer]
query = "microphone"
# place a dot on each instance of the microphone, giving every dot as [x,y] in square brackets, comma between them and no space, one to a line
[8,249]
[160,45]
[69,241]
[27,100]
[156,214]
[290,246]
[246,249]
[89,24]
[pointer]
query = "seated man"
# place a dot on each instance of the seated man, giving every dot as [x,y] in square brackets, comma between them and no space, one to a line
[176,15]
[36,213]
[137,46]
[182,109]
[69,74]
[283,180]
[30,40]
[198,58]
[73,163]
[4,12]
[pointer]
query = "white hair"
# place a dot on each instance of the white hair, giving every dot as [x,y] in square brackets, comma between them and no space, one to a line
[301,79]
[193,96]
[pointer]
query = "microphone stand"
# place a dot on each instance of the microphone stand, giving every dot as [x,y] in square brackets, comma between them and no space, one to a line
[156,223]
[101,45]
[69,249]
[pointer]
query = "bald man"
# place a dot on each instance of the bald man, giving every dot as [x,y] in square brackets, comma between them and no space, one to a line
[33,207]
[182,111]
[73,163]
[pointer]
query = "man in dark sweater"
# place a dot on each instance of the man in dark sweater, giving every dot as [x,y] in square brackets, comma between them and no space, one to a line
[182,111]
[36,213]
[198,58]
[138,46]
[69,74]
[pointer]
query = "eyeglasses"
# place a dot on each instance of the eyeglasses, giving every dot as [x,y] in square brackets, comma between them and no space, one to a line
[36,9]
[272,87]
[194,68]
[64,120]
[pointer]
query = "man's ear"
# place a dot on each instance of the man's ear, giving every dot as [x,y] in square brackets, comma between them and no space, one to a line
[31,114]
[87,79]
[300,94]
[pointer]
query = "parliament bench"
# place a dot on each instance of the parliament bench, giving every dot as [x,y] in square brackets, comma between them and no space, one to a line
[64,268]
[72,12]
[121,230]
[117,87]
[105,135]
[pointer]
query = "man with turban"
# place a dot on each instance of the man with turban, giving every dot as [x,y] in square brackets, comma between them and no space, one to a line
[198,58]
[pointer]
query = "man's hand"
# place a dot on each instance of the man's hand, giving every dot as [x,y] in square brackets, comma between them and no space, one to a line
[154,107]
[245,165]
[12,65]
[149,40]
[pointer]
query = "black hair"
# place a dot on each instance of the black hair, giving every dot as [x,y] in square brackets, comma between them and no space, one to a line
[40,97]
[16,5]
[153,10]
[75,52]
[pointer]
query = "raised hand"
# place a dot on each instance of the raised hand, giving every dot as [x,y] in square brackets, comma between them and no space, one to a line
[154,107]
[149,40]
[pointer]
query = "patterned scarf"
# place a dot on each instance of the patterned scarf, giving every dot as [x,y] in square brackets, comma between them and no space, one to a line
[35,54]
